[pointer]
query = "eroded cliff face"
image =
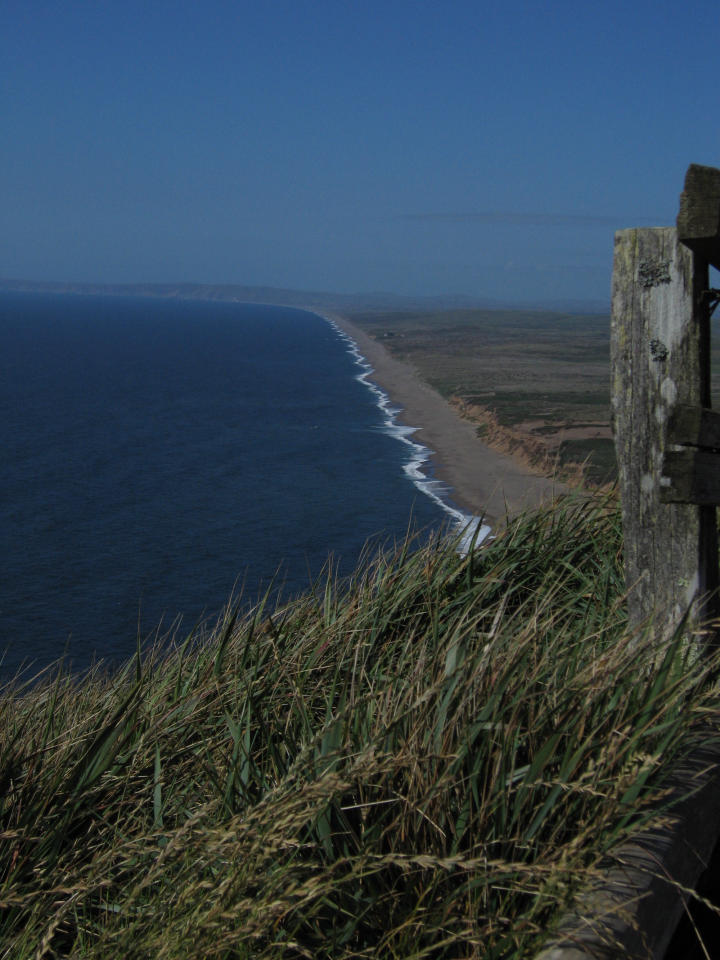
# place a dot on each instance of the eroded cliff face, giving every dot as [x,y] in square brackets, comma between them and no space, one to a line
[537,443]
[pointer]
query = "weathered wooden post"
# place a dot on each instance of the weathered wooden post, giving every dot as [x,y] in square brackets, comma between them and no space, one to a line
[666,437]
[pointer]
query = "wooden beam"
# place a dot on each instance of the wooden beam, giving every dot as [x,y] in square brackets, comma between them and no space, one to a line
[698,221]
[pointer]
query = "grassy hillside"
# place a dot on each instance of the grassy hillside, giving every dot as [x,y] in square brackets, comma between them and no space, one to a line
[424,762]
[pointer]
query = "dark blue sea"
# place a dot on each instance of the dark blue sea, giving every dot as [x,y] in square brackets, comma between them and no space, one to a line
[161,455]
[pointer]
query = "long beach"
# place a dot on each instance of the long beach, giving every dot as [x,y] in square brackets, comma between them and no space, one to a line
[483,481]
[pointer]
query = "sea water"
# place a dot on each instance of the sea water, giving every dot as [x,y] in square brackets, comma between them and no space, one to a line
[160,456]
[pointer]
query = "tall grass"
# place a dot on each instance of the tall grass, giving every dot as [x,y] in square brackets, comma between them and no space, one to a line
[423,762]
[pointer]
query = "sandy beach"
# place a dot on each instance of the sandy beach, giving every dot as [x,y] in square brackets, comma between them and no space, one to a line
[481,480]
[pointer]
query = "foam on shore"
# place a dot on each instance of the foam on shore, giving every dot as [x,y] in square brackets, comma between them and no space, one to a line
[470,528]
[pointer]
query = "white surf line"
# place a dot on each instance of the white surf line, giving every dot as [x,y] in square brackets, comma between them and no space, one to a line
[470,527]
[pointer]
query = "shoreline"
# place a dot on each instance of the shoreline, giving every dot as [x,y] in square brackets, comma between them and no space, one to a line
[471,526]
[479,480]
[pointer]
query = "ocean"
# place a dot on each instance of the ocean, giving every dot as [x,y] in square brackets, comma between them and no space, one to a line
[162,455]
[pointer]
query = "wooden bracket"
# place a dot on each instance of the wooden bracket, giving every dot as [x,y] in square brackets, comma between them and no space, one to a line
[691,464]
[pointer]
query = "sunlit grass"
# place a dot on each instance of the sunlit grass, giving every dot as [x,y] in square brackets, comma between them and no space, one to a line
[424,762]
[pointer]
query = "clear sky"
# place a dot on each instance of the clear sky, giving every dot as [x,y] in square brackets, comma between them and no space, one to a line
[488,148]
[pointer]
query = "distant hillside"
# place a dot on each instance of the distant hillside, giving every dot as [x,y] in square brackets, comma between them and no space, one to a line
[310,299]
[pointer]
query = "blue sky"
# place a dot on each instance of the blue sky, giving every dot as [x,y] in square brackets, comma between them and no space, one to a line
[486,148]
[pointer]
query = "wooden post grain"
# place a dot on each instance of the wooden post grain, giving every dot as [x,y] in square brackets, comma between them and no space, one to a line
[659,360]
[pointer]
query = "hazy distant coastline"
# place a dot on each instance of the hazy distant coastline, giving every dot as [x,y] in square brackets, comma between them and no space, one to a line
[304,299]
